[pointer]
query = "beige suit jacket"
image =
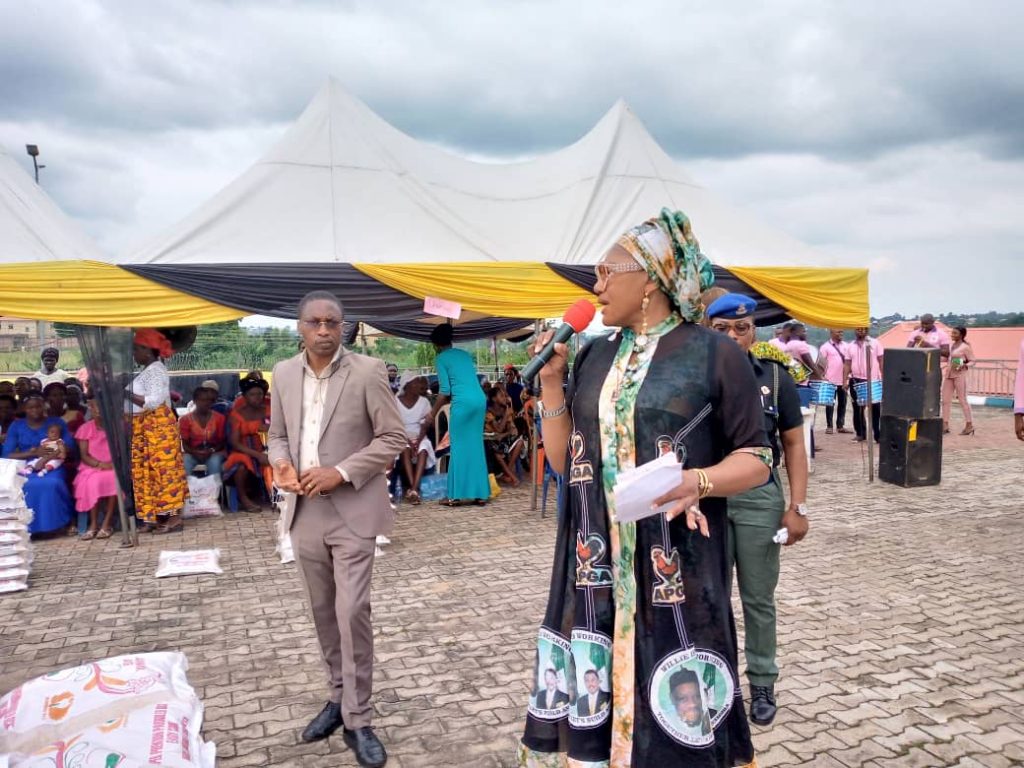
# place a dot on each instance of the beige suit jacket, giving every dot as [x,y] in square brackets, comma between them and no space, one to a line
[361,431]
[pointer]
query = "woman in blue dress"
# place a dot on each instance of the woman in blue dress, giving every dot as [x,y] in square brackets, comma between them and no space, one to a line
[456,375]
[46,495]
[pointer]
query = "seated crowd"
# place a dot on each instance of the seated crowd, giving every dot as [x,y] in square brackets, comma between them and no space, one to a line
[508,428]
[58,429]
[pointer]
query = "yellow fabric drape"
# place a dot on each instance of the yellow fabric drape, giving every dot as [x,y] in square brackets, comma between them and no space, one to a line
[823,297]
[523,289]
[94,293]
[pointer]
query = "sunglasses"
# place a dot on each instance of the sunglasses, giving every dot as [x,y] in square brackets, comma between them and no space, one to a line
[605,269]
[740,328]
[314,325]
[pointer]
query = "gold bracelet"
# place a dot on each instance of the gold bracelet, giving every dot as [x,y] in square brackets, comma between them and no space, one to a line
[704,484]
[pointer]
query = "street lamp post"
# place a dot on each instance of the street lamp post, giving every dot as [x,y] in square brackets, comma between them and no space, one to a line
[33,151]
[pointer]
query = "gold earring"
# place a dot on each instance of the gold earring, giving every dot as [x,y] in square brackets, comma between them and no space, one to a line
[641,340]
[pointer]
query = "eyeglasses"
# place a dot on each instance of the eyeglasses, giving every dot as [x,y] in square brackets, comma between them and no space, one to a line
[314,325]
[740,328]
[605,269]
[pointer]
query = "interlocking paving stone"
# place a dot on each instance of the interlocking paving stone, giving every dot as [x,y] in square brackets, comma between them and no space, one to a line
[901,619]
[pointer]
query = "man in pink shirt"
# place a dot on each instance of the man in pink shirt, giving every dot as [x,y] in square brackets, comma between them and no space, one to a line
[855,369]
[1018,396]
[780,338]
[798,348]
[832,359]
[928,336]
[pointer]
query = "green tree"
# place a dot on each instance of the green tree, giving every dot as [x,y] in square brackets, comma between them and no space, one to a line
[424,356]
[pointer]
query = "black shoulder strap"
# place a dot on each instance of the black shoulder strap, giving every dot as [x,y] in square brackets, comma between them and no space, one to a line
[775,387]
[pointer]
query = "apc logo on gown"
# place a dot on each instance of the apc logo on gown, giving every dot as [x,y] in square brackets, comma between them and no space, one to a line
[589,552]
[668,571]
[580,471]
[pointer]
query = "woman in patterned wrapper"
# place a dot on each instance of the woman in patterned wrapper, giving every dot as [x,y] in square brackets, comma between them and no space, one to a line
[158,468]
[657,597]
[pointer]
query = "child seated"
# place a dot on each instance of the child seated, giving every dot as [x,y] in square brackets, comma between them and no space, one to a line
[53,444]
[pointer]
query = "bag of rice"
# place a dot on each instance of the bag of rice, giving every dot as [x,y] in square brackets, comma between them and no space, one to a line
[16,550]
[165,734]
[90,687]
[189,562]
[284,539]
[10,537]
[19,514]
[203,497]
[10,481]
[127,711]
[12,585]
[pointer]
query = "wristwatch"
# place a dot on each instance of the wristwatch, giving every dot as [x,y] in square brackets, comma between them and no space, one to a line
[801,509]
[553,413]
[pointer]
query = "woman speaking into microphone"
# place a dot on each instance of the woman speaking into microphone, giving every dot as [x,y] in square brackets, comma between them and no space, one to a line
[636,659]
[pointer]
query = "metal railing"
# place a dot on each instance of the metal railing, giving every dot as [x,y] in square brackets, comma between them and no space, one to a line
[991,377]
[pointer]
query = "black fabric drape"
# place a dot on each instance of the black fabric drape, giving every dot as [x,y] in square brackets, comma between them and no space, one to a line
[767,312]
[275,289]
[107,353]
[485,328]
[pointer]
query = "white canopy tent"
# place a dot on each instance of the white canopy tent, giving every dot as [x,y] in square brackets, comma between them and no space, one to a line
[32,227]
[346,202]
[343,185]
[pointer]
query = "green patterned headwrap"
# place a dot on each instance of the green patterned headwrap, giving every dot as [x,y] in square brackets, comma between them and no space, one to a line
[666,247]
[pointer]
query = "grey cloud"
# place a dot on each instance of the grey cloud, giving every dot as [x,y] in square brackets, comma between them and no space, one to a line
[506,79]
[889,134]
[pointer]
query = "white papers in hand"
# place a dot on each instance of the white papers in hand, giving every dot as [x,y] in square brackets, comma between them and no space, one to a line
[636,489]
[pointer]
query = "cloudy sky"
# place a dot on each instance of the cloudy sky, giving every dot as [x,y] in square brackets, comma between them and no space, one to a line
[888,134]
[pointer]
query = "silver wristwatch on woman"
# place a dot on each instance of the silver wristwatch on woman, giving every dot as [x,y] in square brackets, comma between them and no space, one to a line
[553,413]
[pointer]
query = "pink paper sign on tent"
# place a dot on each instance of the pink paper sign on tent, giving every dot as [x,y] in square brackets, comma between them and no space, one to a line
[441,308]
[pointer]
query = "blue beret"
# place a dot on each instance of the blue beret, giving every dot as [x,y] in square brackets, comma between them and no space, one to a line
[732,306]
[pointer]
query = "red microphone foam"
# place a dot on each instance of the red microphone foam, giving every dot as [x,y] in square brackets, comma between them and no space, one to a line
[579,315]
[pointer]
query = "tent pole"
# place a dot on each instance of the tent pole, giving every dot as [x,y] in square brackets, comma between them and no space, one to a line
[536,439]
[869,422]
[129,533]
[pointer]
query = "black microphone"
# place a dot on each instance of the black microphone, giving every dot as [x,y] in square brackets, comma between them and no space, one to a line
[576,319]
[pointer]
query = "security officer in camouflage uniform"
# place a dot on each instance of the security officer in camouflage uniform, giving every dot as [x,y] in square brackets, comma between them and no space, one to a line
[757,516]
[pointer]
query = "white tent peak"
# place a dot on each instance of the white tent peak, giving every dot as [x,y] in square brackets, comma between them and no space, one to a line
[32,227]
[344,185]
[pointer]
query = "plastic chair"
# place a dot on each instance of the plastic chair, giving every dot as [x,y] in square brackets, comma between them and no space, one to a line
[559,483]
[229,495]
[548,471]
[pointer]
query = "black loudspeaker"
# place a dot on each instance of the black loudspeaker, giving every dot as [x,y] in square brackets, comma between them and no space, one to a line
[910,451]
[911,380]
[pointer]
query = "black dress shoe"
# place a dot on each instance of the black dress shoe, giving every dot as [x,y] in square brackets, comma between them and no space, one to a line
[364,742]
[323,725]
[762,704]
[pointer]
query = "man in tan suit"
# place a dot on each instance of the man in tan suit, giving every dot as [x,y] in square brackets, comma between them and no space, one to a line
[334,427]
